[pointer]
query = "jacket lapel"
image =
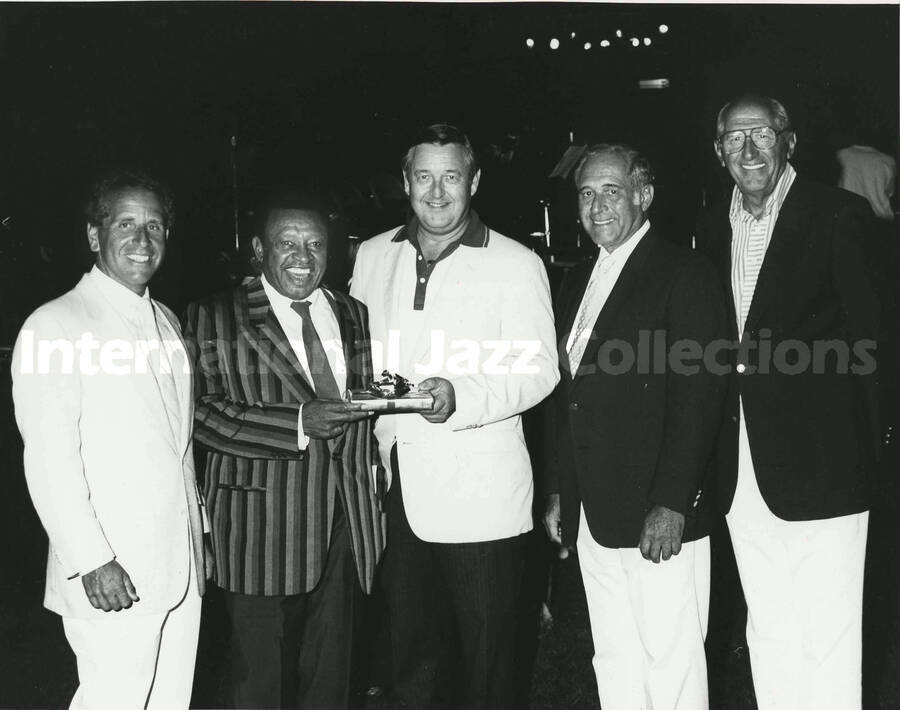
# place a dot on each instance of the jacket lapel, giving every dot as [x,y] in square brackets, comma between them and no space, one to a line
[347,331]
[182,372]
[619,295]
[264,334]
[719,251]
[567,309]
[392,291]
[782,255]
[111,327]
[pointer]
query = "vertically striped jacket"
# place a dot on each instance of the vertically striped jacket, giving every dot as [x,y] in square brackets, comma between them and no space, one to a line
[270,504]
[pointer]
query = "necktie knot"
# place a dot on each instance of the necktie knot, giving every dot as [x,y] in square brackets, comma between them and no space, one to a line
[301,308]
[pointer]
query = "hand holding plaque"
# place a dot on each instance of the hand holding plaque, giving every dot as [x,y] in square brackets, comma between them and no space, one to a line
[391,394]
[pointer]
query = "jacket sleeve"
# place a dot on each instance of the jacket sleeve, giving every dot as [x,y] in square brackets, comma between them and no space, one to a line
[696,384]
[529,370]
[558,456]
[861,274]
[223,420]
[47,397]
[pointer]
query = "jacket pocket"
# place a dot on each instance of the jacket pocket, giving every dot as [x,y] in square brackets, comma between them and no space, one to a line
[246,489]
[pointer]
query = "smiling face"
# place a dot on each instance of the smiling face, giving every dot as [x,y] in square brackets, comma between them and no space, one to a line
[293,251]
[130,242]
[440,188]
[756,172]
[610,208]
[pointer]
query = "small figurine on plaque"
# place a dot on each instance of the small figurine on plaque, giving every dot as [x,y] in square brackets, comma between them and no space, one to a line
[390,394]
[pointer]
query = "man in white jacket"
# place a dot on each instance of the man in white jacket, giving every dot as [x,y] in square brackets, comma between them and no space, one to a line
[103,398]
[464,312]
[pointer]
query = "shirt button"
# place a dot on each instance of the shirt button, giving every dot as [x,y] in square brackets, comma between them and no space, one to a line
[422,280]
[419,257]
[573,405]
[741,368]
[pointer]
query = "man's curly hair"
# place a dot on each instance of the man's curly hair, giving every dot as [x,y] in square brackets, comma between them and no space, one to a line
[98,208]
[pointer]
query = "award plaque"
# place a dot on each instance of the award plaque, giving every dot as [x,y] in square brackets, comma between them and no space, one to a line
[391,394]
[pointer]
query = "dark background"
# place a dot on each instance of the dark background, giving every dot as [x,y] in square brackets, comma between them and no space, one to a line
[327,95]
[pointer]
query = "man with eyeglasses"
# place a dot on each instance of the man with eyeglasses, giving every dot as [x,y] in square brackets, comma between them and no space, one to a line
[802,429]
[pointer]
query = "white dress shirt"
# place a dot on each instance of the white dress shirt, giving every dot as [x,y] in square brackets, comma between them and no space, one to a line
[604,275]
[326,326]
[750,240]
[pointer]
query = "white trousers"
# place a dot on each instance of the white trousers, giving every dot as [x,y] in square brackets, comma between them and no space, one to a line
[128,661]
[648,623]
[803,582]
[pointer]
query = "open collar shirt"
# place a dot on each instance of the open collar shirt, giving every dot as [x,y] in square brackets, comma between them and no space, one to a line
[476,236]
[604,275]
[750,239]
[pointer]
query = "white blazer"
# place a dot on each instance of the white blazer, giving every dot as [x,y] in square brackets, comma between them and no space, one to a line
[107,475]
[487,326]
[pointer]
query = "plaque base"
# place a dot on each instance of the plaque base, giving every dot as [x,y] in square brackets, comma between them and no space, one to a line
[410,402]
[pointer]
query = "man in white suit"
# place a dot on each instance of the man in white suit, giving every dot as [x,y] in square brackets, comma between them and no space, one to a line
[465,312]
[103,398]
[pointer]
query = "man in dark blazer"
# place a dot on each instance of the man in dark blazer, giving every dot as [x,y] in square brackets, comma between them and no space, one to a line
[798,445]
[292,490]
[632,425]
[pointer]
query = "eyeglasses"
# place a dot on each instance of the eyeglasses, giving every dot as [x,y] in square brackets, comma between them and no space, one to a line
[763,138]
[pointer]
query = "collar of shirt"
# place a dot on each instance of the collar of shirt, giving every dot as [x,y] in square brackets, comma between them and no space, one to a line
[773,203]
[125,301]
[475,236]
[603,278]
[281,304]
[324,321]
[616,259]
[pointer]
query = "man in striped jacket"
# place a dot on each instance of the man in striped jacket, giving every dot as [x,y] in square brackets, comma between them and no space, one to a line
[293,494]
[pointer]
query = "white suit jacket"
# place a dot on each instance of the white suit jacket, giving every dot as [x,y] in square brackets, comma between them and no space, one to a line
[107,475]
[487,326]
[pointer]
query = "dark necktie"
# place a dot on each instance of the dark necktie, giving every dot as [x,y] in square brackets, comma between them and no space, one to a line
[322,377]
